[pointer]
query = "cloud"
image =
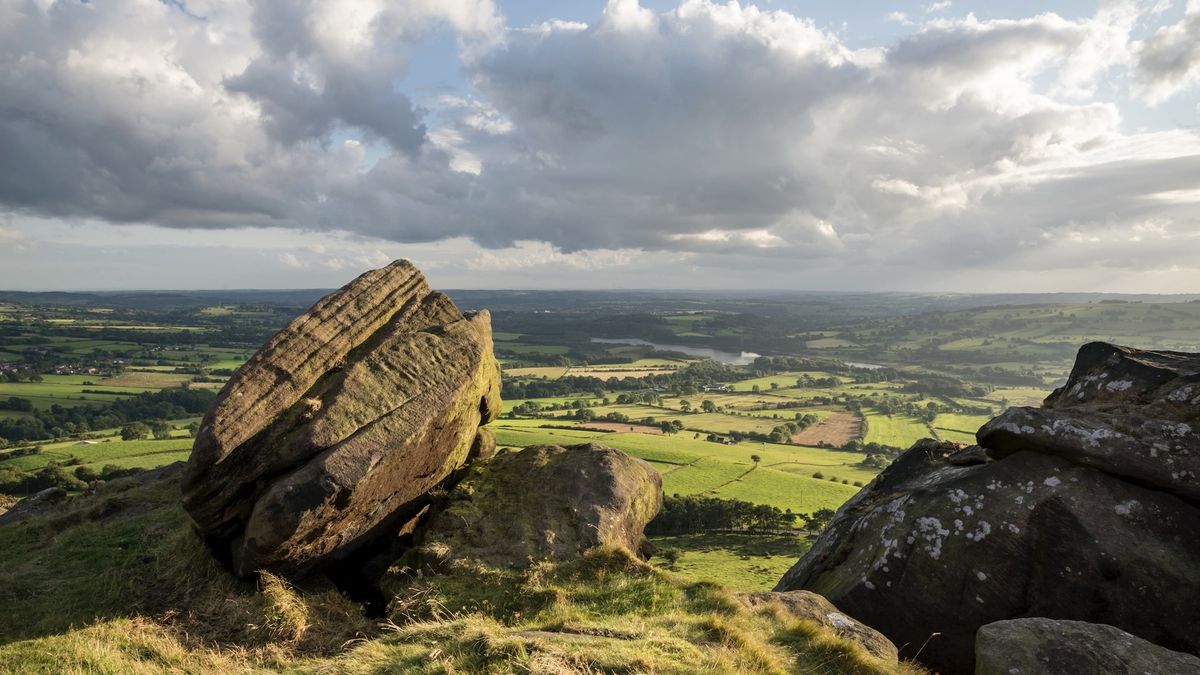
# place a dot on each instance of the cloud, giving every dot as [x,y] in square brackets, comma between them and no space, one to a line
[705,133]
[1169,60]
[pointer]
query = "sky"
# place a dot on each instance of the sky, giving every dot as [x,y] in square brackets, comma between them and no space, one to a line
[950,145]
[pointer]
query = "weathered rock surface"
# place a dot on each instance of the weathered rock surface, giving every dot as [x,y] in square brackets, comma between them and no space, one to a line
[1087,512]
[806,605]
[336,429]
[1036,645]
[544,503]
[32,505]
[1130,413]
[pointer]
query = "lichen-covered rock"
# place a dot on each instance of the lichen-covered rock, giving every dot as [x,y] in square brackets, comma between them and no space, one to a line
[1164,454]
[1082,510]
[813,607]
[1111,378]
[544,503]
[336,429]
[1036,645]
[1127,412]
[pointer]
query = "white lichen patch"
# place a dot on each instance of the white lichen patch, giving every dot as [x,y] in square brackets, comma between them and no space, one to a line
[1119,385]
[1052,481]
[981,576]
[1126,507]
[981,532]
[1090,437]
[931,531]
[1182,394]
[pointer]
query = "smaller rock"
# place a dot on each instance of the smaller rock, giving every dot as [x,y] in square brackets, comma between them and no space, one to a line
[969,456]
[814,607]
[544,503]
[1037,645]
[33,505]
[1107,377]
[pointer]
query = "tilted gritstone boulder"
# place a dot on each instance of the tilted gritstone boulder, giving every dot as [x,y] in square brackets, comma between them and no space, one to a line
[544,503]
[337,428]
[1037,645]
[1067,516]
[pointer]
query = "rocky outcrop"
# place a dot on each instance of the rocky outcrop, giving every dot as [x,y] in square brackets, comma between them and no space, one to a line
[1036,645]
[339,426]
[1081,510]
[544,503]
[813,607]
[34,504]
[1130,413]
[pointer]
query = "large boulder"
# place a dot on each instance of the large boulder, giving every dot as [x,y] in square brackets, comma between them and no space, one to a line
[1127,412]
[338,427]
[1065,516]
[1037,645]
[544,503]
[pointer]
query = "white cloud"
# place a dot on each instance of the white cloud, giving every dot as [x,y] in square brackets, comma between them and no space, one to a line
[704,137]
[1169,60]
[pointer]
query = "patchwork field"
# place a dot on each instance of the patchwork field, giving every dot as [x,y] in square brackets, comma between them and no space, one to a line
[894,430]
[836,429]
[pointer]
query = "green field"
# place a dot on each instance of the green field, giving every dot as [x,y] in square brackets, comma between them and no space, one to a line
[958,428]
[741,562]
[144,454]
[782,478]
[894,430]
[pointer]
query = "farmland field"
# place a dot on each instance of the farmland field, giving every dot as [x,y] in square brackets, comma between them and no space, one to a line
[742,562]
[827,359]
[895,430]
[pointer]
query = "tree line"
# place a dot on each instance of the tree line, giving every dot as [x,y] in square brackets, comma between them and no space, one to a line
[59,421]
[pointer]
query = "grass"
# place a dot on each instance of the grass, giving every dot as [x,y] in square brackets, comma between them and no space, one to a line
[146,454]
[744,562]
[895,430]
[690,466]
[118,583]
[957,427]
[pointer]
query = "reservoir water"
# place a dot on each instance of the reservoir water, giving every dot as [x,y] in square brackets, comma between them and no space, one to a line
[728,358]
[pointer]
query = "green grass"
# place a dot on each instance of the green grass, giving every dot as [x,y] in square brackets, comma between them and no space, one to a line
[145,454]
[894,430]
[957,427]
[119,583]
[696,466]
[744,562]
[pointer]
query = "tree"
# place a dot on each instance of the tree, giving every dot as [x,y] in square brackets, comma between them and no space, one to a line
[685,405]
[708,406]
[819,519]
[755,458]
[160,430]
[134,432]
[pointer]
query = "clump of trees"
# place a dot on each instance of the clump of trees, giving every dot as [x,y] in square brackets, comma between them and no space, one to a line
[59,421]
[693,514]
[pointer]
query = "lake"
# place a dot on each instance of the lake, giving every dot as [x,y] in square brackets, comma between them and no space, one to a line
[728,358]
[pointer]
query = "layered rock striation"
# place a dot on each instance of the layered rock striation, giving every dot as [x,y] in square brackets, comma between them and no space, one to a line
[339,426]
[1084,509]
